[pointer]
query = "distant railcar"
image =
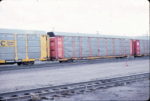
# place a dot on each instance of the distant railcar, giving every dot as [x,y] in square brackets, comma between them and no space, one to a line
[23,48]
[141,47]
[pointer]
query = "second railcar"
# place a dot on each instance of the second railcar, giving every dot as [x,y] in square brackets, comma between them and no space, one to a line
[65,47]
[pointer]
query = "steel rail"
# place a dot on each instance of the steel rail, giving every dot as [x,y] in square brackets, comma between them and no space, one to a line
[70,89]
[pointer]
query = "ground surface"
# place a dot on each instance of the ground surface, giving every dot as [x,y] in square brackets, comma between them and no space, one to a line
[56,64]
[138,91]
[39,77]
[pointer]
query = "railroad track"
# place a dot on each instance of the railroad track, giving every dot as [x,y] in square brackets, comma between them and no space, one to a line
[78,62]
[53,92]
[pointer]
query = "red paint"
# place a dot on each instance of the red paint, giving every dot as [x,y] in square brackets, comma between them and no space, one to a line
[132,50]
[137,47]
[52,47]
[80,47]
[56,46]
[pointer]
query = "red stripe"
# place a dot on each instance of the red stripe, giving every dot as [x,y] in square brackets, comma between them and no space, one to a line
[80,47]
[56,47]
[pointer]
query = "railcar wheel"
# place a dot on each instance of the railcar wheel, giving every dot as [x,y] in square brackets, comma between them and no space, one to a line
[60,61]
[31,63]
[66,61]
[19,63]
[28,63]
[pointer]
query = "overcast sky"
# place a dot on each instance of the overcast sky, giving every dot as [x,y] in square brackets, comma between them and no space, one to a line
[115,17]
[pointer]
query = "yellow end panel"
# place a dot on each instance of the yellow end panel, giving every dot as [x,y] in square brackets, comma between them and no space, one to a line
[44,47]
[42,59]
[7,43]
[27,60]
[64,59]
[48,47]
[16,48]
[2,61]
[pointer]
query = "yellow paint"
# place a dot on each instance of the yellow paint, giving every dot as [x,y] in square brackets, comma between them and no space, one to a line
[16,48]
[98,57]
[42,59]
[64,59]
[75,58]
[2,61]
[48,47]
[27,60]
[7,43]
[43,40]
[44,47]
[94,57]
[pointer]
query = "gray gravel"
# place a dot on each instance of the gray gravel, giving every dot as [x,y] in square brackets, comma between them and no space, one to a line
[41,77]
[56,64]
[138,91]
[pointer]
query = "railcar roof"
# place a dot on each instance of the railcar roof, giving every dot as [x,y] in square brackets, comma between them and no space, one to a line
[84,35]
[19,31]
[141,37]
[96,35]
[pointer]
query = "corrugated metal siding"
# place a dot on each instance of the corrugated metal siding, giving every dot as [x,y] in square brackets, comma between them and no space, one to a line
[88,35]
[102,47]
[144,47]
[76,47]
[33,44]
[21,46]
[7,53]
[67,47]
[93,45]
[81,47]
[21,31]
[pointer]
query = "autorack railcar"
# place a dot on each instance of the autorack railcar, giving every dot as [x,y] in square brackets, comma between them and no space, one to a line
[65,46]
[25,48]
